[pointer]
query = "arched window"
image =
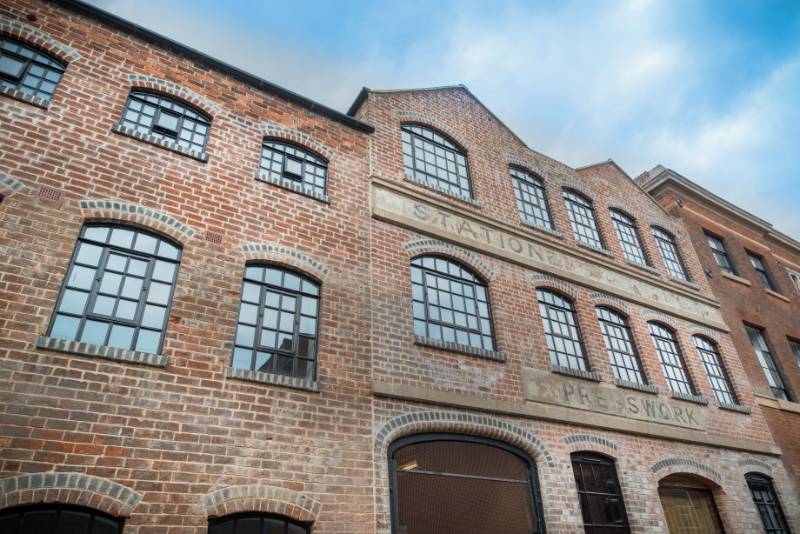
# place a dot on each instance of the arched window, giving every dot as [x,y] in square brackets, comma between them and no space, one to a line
[254,523]
[716,371]
[531,198]
[766,500]
[431,157]
[581,216]
[628,236]
[602,505]
[167,118]
[28,70]
[118,289]
[278,322]
[450,303]
[671,358]
[280,159]
[453,484]
[688,504]
[561,331]
[669,253]
[620,346]
[57,518]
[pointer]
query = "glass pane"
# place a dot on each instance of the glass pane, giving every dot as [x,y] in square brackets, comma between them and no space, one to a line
[146,243]
[153,316]
[89,254]
[94,332]
[148,341]
[242,358]
[73,301]
[121,237]
[110,283]
[65,327]
[115,262]
[126,309]
[104,305]
[96,233]
[121,337]
[11,67]
[137,267]
[164,271]
[159,293]
[81,277]
[132,287]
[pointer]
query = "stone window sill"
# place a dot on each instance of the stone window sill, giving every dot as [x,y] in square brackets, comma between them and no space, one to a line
[735,408]
[159,142]
[545,229]
[644,388]
[577,373]
[603,251]
[642,266]
[776,295]
[734,278]
[685,283]
[273,379]
[697,399]
[433,187]
[293,186]
[99,351]
[461,349]
[25,97]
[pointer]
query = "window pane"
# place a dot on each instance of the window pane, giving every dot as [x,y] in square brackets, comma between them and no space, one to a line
[672,363]
[27,69]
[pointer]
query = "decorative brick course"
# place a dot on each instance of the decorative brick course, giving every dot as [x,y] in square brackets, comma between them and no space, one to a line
[273,379]
[301,138]
[463,349]
[25,97]
[435,246]
[577,373]
[99,351]
[292,185]
[144,81]
[69,488]
[697,399]
[554,282]
[601,298]
[580,438]
[694,466]
[159,142]
[645,388]
[261,498]
[114,210]
[287,256]
[430,120]
[39,39]
[754,463]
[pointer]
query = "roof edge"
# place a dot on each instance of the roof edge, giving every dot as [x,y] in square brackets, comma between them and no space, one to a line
[83,8]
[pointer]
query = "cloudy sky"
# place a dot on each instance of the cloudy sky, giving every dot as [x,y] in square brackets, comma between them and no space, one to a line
[710,89]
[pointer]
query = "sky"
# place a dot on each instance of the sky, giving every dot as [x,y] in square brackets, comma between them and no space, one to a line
[709,89]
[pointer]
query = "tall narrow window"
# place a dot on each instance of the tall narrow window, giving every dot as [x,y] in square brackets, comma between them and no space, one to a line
[619,344]
[57,518]
[168,119]
[669,253]
[450,303]
[761,269]
[433,158]
[118,289]
[599,493]
[278,322]
[720,253]
[672,362]
[795,277]
[561,331]
[716,371]
[581,216]
[285,160]
[766,501]
[256,523]
[795,346]
[628,236]
[768,363]
[531,198]
[28,70]
[453,484]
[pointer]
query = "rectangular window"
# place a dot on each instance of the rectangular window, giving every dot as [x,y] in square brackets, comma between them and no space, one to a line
[581,217]
[628,236]
[720,253]
[670,255]
[531,200]
[768,363]
[795,345]
[602,506]
[795,278]
[761,269]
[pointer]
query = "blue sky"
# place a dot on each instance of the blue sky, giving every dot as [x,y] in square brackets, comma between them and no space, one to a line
[710,89]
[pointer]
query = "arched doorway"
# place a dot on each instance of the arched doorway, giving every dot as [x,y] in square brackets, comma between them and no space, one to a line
[57,518]
[456,484]
[688,504]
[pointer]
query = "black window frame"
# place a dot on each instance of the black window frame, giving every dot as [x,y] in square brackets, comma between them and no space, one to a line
[588,458]
[794,345]
[719,251]
[533,473]
[767,511]
[446,145]
[630,241]
[579,206]
[676,354]
[676,267]
[94,290]
[163,105]
[298,295]
[549,313]
[425,304]
[717,372]
[57,509]
[614,353]
[40,59]
[765,357]
[528,184]
[301,154]
[761,270]
[287,521]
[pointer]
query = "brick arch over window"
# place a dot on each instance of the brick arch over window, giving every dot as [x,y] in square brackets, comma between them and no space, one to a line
[69,488]
[570,184]
[9,185]
[38,39]
[421,247]
[261,498]
[748,464]
[671,466]
[528,164]
[284,133]
[548,281]
[461,423]
[591,443]
[700,330]
[600,298]
[415,117]
[287,256]
[136,215]
[651,316]
[206,105]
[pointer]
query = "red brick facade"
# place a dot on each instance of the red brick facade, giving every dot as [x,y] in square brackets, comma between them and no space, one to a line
[168,441]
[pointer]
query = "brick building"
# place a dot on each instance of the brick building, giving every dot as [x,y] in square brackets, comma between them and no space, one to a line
[754,270]
[227,308]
